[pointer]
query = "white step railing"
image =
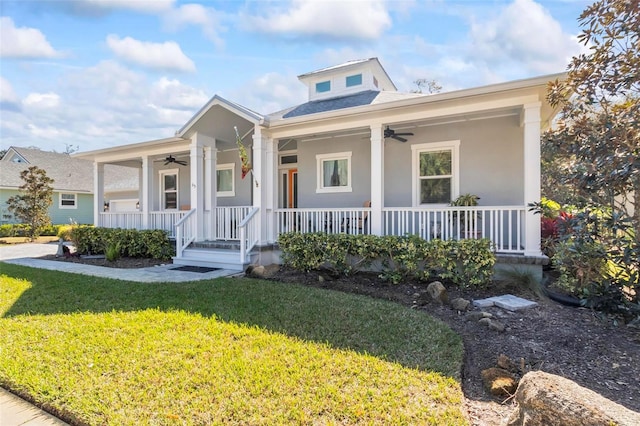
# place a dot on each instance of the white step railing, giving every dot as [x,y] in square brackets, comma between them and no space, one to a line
[333,221]
[503,225]
[166,220]
[248,230]
[228,220]
[185,232]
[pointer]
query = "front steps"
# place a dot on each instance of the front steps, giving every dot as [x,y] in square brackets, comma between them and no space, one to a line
[214,254]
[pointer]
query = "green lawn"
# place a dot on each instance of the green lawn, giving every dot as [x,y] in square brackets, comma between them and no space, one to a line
[232,351]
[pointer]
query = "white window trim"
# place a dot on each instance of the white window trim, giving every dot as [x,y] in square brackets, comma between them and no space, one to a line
[416,150]
[320,158]
[162,191]
[232,167]
[75,201]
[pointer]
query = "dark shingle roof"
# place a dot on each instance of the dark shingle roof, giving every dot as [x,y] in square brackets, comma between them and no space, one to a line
[69,173]
[349,101]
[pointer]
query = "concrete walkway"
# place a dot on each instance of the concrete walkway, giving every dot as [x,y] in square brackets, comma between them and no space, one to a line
[26,254]
[14,411]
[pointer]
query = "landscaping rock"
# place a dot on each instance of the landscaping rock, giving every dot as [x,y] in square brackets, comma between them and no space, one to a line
[477,315]
[256,271]
[499,382]
[547,399]
[437,292]
[492,324]
[460,304]
[506,363]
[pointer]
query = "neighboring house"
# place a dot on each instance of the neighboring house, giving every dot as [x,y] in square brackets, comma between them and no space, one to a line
[72,186]
[358,157]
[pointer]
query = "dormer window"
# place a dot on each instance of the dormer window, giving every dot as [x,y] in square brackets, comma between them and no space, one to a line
[354,80]
[323,86]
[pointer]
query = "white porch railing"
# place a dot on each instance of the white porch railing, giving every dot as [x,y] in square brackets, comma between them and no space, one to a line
[503,225]
[185,232]
[134,220]
[334,221]
[128,220]
[248,230]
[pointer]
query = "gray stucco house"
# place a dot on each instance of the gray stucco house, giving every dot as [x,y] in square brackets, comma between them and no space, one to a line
[357,157]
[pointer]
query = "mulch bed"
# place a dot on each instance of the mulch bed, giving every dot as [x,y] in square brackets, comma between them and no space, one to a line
[577,343]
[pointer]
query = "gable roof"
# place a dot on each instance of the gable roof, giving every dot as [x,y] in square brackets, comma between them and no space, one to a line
[69,173]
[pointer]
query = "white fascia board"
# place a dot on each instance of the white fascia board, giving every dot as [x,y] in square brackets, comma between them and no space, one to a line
[124,152]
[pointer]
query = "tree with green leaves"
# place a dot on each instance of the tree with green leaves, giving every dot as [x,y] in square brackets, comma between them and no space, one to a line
[595,147]
[593,156]
[32,204]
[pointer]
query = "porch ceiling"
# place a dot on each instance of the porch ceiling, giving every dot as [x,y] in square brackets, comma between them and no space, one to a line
[408,125]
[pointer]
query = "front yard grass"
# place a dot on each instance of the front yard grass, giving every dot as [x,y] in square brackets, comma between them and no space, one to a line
[232,351]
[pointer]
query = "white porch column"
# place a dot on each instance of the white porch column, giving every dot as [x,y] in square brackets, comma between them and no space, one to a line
[377,179]
[271,188]
[531,124]
[260,178]
[211,186]
[98,191]
[146,189]
[197,182]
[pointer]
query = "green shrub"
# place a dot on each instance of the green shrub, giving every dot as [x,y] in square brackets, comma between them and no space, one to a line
[154,244]
[112,252]
[467,263]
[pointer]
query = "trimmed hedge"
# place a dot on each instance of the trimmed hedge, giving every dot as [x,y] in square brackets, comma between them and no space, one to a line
[22,230]
[467,262]
[153,244]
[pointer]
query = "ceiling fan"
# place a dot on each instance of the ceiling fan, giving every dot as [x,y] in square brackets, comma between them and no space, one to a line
[171,159]
[390,133]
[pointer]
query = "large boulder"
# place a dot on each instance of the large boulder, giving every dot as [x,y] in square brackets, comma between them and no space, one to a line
[545,399]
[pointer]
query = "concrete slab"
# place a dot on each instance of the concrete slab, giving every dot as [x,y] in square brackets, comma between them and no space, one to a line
[15,411]
[514,303]
[506,301]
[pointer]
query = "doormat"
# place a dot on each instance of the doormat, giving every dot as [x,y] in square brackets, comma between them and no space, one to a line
[199,269]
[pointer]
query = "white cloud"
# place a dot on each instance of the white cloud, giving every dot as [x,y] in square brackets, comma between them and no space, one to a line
[7,94]
[207,18]
[365,20]
[104,105]
[161,56]
[270,92]
[526,34]
[172,94]
[23,42]
[41,100]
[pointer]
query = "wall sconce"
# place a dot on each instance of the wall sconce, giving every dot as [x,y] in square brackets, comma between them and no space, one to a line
[106,206]
[138,205]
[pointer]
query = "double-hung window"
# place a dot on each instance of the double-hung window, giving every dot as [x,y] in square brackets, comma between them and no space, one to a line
[334,172]
[68,201]
[169,189]
[435,172]
[225,178]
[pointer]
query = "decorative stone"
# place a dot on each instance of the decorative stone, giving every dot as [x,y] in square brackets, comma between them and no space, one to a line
[477,315]
[60,251]
[460,304]
[499,382]
[547,399]
[438,292]
[506,301]
[506,363]
[492,324]
[258,271]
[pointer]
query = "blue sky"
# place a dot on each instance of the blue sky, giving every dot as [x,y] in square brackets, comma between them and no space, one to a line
[101,73]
